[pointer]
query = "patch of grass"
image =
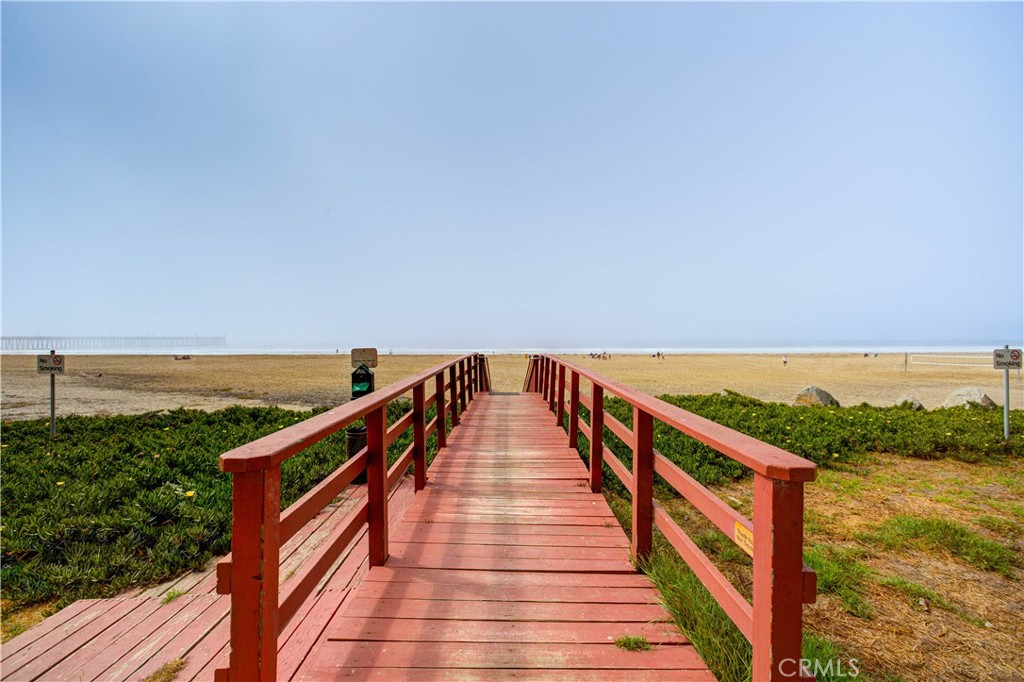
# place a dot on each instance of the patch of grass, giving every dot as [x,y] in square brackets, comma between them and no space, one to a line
[171,596]
[905,531]
[1005,527]
[715,542]
[841,574]
[17,620]
[916,592]
[717,639]
[840,483]
[719,642]
[633,643]
[815,523]
[1012,508]
[829,661]
[168,672]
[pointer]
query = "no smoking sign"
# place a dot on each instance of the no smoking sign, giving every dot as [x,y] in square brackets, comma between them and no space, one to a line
[50,364]
[1006,358]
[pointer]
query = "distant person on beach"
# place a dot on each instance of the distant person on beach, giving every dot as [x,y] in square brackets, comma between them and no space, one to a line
[784,360]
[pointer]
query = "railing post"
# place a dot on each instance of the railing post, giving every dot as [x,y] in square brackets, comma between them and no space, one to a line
[377,485]
[643,482]
[442,418]
[419,437]
[462,385]
[542,369]
[255,549]
[560,412]
[551,383]
[778,583]
[574,409]
[470,379]
[596,436]
[452,388]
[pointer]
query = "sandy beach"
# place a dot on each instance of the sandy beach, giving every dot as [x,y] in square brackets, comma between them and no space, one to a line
[121,384]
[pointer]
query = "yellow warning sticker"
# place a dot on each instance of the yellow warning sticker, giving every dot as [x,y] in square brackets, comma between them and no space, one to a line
[744,538]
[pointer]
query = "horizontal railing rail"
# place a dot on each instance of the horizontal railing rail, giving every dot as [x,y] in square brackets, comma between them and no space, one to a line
[782,583]
[259,527]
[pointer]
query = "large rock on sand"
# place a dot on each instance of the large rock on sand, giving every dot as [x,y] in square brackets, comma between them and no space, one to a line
[909,402]
[963,397]
[812,395]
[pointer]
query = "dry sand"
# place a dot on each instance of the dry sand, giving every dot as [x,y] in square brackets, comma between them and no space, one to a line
[118,384]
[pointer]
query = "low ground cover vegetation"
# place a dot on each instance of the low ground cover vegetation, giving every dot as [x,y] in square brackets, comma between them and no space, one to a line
[828,436]
[914,528]
[117,502]
[915,524]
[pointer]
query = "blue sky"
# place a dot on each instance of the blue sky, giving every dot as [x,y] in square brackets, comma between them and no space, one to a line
[508,175]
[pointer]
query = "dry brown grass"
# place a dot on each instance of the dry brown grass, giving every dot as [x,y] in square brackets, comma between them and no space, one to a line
[168,672]
[13,621]
[904,638]
[109,384]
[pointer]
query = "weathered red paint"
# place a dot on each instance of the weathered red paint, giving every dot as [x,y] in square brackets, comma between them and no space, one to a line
[419,437]
[377,486]
[552,372]
[778,580]
[277,447]
[574,409]
[542,368]
[643,482]
[442,413]
[462,384]
[256,499]
[560,413]
[454,399]
[596,437]
[759,456]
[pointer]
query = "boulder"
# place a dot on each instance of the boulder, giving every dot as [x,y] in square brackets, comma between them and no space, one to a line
[909,402]
[963,397]
[812,395]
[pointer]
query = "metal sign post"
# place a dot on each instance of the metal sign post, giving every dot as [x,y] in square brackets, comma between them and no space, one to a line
[1006,358]
[53,365]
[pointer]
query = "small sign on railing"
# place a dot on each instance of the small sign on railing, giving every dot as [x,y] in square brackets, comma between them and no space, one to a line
[744,538]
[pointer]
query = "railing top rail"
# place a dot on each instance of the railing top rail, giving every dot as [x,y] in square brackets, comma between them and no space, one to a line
[757,455]
[276,447]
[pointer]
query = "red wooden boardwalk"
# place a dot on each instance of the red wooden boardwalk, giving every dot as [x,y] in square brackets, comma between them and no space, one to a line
[505,566]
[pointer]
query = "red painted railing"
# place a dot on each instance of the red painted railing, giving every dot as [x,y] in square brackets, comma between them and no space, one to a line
[259,527]
[782,584]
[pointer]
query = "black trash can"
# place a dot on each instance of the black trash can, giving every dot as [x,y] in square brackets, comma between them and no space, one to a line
[355,440]
[362,382]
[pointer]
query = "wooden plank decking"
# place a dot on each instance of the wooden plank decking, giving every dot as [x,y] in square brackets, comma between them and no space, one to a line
[505,567]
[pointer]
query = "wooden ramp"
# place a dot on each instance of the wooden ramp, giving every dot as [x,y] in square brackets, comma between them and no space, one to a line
[505,567]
